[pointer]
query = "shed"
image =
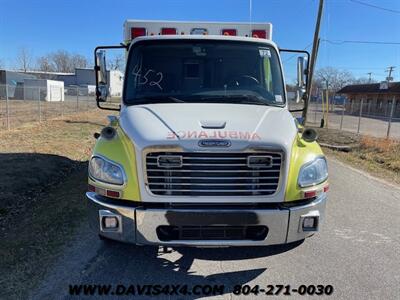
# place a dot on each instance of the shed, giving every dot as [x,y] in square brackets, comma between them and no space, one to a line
[44,90]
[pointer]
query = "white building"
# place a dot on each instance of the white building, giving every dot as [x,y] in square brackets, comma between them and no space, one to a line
[44,90]
[85,79]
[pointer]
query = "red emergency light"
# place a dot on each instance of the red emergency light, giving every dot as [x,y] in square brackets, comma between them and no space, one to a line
[228,31]
[137,31]
[257,33]
[168,30]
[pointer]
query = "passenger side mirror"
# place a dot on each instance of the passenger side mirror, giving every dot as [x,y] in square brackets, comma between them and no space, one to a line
[109,76]
[301,78]
[102,82]
[301,83]
[296,65]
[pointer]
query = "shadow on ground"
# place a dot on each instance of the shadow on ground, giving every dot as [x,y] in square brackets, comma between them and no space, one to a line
[41,202]
[123,264]
[24,175]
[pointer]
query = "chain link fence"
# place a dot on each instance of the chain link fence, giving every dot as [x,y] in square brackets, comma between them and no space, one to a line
[23,105]
[366,116]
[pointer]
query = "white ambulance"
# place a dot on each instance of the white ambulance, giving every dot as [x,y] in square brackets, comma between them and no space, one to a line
[204,151]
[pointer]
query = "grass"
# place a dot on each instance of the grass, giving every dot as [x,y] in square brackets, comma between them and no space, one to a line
[42,201]
[378,156]
[22,112]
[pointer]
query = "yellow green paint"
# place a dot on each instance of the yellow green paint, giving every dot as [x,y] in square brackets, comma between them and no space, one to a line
[120,150]
[302,152]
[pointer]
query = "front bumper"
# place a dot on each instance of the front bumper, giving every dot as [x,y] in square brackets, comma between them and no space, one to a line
[138,224]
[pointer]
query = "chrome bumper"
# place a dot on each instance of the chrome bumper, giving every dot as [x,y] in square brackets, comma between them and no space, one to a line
[138,225]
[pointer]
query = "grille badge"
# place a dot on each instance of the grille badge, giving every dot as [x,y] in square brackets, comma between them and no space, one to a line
[214,143]
[169,161]
[256,161]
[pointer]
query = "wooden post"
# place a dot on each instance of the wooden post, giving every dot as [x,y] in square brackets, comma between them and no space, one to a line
[359,118]
[391,116]
[343,109]
[7,109]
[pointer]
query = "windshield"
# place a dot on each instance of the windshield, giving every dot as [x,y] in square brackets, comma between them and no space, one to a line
[203,71]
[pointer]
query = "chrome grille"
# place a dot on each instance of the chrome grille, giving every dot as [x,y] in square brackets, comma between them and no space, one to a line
[212,174]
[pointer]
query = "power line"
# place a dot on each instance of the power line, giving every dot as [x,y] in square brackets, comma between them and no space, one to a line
[340,42]
[361,68]
[294,55]
[376,6]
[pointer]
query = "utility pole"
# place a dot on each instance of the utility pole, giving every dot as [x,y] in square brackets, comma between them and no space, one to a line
[390,70]
[313,60]
[369,76]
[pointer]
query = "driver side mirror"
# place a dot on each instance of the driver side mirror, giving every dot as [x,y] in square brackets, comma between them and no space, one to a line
[102,76]
[301,81]
[109,81]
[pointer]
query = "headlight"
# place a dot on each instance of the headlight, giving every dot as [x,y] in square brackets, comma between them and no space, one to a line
[313,173]
[106,171]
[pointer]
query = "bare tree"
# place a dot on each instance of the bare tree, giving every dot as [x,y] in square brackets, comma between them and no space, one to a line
[44,64]
[333,78]
[24,59]
[364,80]
[78,61]
[117,63]
[65,62]
[61,61]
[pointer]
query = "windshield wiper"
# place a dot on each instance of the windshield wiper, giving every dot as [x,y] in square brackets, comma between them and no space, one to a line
[245,99]
[154,99]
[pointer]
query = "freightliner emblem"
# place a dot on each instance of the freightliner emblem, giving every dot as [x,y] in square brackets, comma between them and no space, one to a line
[214,143]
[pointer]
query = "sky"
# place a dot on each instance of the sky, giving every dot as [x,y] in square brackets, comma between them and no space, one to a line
[43,26]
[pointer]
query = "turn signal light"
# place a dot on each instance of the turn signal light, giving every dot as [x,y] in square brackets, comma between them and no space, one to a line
[91,188]
[261,34]
[113,194]
[104,192]
[310,194]
[137,31]
[315,193]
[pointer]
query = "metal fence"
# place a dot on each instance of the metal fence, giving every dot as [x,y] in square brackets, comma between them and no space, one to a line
[381,119]
[22,105]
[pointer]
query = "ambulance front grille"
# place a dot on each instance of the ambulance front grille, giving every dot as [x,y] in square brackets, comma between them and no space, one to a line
[213,174]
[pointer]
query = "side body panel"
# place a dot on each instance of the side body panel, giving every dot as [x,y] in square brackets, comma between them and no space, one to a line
[120,150]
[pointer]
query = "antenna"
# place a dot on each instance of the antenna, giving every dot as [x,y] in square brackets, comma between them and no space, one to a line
[251,14]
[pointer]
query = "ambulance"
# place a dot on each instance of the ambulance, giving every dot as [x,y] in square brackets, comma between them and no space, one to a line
[204,150]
